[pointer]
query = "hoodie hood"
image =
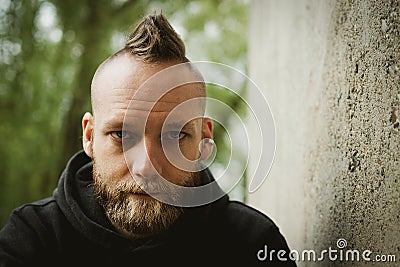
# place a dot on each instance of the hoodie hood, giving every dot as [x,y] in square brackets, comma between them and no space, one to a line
[76,199]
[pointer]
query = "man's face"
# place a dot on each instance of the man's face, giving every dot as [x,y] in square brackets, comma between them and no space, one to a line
[132,135]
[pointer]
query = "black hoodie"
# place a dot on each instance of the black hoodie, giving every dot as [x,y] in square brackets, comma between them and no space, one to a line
[71,229]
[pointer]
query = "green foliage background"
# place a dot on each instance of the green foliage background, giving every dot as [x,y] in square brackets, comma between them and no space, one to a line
[49,51]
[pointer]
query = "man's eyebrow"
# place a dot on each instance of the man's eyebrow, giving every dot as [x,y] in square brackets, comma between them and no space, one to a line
[116,125]
[179,125]
[112,124]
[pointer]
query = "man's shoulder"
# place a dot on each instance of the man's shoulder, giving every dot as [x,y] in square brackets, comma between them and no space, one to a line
[44,213]
[44,205]
[243,214]
[243,231]
[244,222]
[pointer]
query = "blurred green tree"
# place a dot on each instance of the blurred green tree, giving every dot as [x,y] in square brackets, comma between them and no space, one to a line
[49,51]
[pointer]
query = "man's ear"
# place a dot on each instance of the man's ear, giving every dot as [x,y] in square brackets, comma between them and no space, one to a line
[87,126]
[207,142]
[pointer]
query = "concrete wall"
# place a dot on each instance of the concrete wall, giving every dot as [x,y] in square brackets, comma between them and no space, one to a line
[331,73]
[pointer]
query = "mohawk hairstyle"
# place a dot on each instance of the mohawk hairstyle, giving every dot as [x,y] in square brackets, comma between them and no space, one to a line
[155,40]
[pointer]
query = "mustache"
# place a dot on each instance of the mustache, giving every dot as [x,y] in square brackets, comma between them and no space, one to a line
[141,186]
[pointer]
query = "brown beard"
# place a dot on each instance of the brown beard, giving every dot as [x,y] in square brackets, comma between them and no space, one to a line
[137,217]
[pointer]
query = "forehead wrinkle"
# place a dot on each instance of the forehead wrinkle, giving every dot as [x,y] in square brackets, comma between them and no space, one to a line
[132,100]
[146,111]
[148,106]
[150,109]
[123,96]
[158,101]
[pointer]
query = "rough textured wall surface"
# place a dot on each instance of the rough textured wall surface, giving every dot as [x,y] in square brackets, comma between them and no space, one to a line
[331,73]
[360,199]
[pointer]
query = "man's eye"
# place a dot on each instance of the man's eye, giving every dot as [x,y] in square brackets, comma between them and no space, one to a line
[175,135]
[128,138]
[119,134]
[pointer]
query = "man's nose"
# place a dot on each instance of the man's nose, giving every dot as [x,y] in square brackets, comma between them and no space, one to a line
[145,159]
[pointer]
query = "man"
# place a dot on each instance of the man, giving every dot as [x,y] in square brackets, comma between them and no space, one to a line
[123,200]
